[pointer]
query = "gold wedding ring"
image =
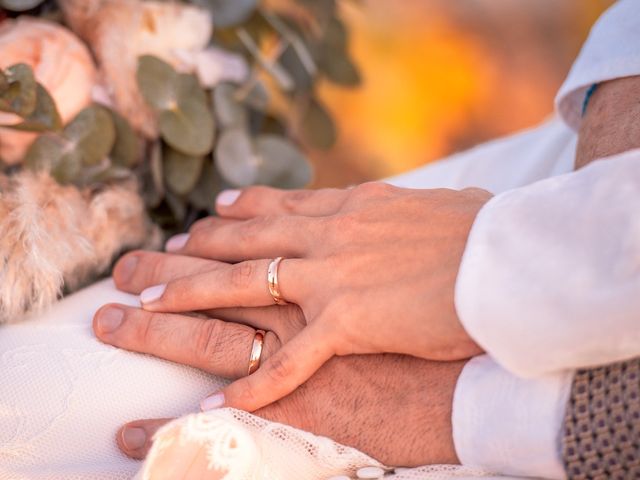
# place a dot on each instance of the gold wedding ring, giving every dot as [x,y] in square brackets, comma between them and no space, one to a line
[256,351]
[272,280]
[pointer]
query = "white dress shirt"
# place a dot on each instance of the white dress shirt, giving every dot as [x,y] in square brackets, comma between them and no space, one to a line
[550,279]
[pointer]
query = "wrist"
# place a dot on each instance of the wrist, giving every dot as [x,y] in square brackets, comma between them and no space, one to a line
[611,122]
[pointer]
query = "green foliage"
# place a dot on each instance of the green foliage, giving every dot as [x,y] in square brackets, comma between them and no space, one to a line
[208,139]
[228,13]
[20,5]
[82,152]
[21,95]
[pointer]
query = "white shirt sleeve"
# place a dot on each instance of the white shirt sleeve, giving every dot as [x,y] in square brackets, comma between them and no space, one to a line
[611,51]
[509,425]
[550,277]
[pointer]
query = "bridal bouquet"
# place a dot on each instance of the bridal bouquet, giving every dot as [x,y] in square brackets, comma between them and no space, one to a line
[121,120]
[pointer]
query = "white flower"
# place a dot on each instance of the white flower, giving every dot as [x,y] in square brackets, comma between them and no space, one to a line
[119,31]
[61,63]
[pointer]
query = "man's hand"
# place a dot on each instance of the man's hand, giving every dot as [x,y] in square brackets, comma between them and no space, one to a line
[396,409]
[612,121]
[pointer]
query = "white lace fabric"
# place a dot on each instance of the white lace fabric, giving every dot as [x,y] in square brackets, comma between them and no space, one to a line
[63,395]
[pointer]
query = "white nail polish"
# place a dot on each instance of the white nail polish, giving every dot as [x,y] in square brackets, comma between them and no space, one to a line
[370,473]
[152,294]
[227,197]
[177,242]
[212,402]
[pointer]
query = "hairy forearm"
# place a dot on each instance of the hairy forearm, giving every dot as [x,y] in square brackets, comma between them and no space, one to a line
[612,121]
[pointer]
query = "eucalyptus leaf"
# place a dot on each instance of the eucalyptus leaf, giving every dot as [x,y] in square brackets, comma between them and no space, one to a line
[45,116]
[20,5]
[126,148]
[181,172]
[177,205]
[227,13]
[4,82]
[235,159]
[229,111]
[92,133]
[21,95]
[318,128]
[189,127]
[257,97]
[203,195]
[110,174]
[55,154]
[340,69]
[151,175]
[270,160]
[292,63]
[282,164]
[157,81]
[336,36]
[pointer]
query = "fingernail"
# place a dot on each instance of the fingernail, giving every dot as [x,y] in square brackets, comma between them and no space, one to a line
[126,266]
[176,242]
[227,197]
[212,402]
[109,319]
[152,294]
[134,438]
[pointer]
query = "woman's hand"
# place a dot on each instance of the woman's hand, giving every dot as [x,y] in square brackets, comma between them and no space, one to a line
[372,268]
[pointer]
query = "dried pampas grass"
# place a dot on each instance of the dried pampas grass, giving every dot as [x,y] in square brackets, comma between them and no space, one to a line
[56,238]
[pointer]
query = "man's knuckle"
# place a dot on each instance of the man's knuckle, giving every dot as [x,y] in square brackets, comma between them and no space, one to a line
[241,275]
[207,342]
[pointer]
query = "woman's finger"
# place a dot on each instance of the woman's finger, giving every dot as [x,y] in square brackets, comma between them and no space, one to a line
[135,438]
[140,269]
[211,221]
[240,285]
[280,375]
[259,237]
[211,345]
[259,201]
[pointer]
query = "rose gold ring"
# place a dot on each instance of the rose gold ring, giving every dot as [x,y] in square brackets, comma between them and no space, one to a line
[272,280]
[256,351]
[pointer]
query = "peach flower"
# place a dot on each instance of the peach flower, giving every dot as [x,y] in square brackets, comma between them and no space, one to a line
[61,63]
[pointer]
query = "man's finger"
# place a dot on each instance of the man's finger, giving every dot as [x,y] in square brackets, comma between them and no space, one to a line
[280,375]
[240,285]
[259,201]
[285,320]
[218,347]
[135,438]
[258,237]
[138,270]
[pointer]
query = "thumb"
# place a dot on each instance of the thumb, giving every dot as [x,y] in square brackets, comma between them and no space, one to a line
[277,377]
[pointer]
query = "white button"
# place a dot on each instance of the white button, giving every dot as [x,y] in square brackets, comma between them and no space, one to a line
[370,473]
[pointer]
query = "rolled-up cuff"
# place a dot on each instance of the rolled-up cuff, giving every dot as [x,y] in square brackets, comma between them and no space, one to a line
[509,425]
[610,52]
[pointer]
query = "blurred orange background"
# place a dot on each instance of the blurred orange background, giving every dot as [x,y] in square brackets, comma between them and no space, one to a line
[440,76]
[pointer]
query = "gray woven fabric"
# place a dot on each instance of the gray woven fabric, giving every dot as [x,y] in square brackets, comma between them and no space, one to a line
[601,436]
